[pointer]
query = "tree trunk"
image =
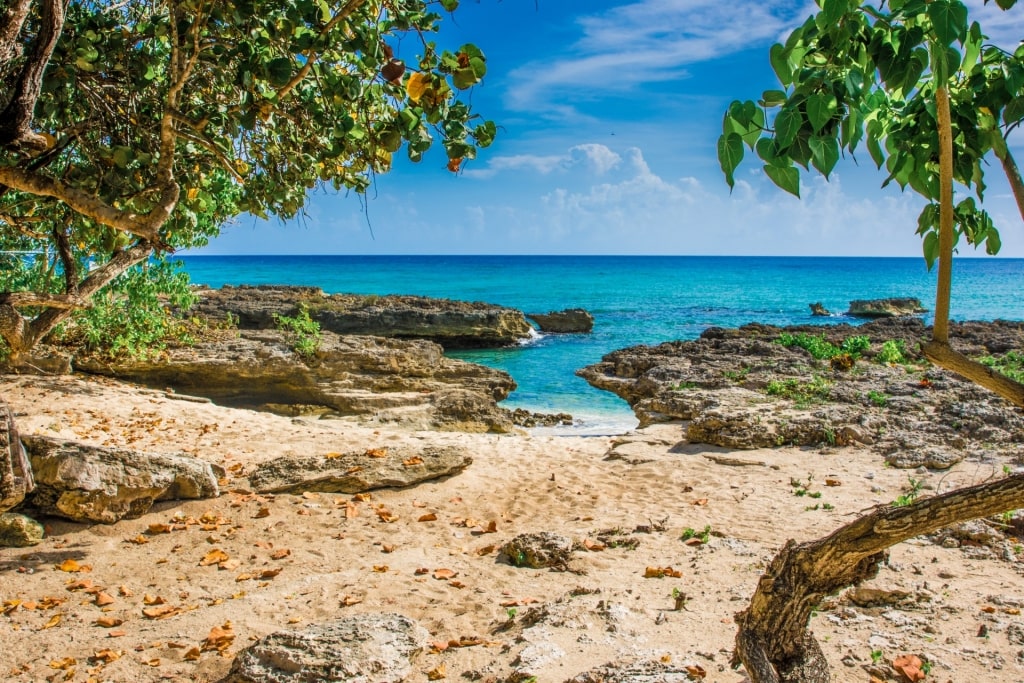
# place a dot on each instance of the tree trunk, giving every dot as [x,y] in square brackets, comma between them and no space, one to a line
[11,22]
[773,641]
[16,118]
[1013,176]
[22,334]
[15,472]
[940,330]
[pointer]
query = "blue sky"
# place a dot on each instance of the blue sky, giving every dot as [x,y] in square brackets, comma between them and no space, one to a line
[608,116]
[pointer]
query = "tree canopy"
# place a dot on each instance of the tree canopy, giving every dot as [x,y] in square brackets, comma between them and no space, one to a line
[138,127]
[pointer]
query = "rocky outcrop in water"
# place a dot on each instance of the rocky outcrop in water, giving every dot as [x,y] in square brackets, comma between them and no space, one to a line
[571,320]
[452,324]
[885,308]
[742,388]
[819,310]
[391,379]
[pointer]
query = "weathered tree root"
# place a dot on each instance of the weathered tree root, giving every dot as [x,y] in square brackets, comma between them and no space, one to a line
[773,642]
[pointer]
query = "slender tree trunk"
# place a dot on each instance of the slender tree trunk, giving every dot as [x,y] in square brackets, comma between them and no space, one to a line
[773,641]
[16,118]
[1013,175]
[940,332]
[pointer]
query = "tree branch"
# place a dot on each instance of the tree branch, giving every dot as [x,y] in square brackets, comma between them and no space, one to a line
[773,641]
[944,356]
[62,301]
[1013,175]
[16,118]
[143,226]
[10,28]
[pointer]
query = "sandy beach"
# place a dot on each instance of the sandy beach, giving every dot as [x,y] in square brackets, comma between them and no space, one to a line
[287,561]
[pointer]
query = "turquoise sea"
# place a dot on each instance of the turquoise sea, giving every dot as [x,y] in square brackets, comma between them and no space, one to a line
[634,300]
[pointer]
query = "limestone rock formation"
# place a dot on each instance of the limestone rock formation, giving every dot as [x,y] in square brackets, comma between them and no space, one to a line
[453,324]
[817,309]
[19,531]
[359,471]
[367,648]
[543,549]
[885,308]
[87,483]
[741,388]
[641,671]
[348,375]
[15,472]
[571,320]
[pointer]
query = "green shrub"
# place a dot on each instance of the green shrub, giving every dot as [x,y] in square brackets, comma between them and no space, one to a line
[1010,364]
[802,393]
[304,331]
[856,345]
[134,316]
[892,351]
[822,349]
[879,398]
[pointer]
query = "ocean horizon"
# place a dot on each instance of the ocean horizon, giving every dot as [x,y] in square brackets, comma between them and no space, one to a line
[634,300]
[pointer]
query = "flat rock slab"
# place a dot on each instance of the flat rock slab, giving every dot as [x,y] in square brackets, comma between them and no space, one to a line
[86,483]
[358,471]
[367,648]
[640,672]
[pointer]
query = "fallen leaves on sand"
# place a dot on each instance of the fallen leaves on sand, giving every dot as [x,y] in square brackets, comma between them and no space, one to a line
[53,621]
[661,572]
[351,510]
[696,672]
[377,452]
[362,497]
[909,667]
[520,602]
[154,529]
[593,546]
[437,673]
[380,568]
[72,566]
[445,574]
[105,656]
[385,514]
[192,655]
[262,512]
[415,460]
[63,664]
[833,482]
[420,571]
[163,611]
[104,599]
[79,585]
[215,556]
[348,601]
[387,548]
[219,639]
[700,501]
[280,554]
[429,517]
[107,621]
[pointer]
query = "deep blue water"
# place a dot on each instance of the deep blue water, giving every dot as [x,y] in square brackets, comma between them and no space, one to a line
[634,300]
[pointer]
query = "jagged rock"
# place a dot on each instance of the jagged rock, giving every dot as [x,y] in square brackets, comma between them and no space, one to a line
[453,324]
[87,483]
[740,388]
[16,479]
[571,320]
[817,309]
[358,471]
[349,375]
[538,550]
[885,308]
[526,418]
[19,531]
[469,411]
[640,671]
[366,648]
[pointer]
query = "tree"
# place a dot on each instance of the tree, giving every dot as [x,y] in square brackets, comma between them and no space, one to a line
[918,85]
[130,129]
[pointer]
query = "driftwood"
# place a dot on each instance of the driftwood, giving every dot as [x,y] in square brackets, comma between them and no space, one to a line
[15,472]
[773,641]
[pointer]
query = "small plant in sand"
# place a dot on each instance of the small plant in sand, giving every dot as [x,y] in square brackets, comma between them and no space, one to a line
[910,493]
[1010,364]
[702,536]
[683,386]
[876,656]
[803,394]
[680,599]
[803,488]
[304,331]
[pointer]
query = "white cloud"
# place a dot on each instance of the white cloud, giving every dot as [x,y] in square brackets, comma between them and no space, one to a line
[1004,28]
[649,41]
[598,158]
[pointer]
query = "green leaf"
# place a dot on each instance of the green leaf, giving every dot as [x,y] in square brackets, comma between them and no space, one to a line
[820,109]
[787,125]
[773,98]
[788,178]
[833,10]
[972,47]
[949,20]
[931,249]
[993,244]
[824,154]
[1014,110]
[279,71]
[730,154]
[874,148]
[780,64]
[450,5]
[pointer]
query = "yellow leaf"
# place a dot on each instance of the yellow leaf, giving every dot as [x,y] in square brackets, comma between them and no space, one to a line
[215,556]
[192,193]
[65,663]
[437,673]
[54,620]
[417,85]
